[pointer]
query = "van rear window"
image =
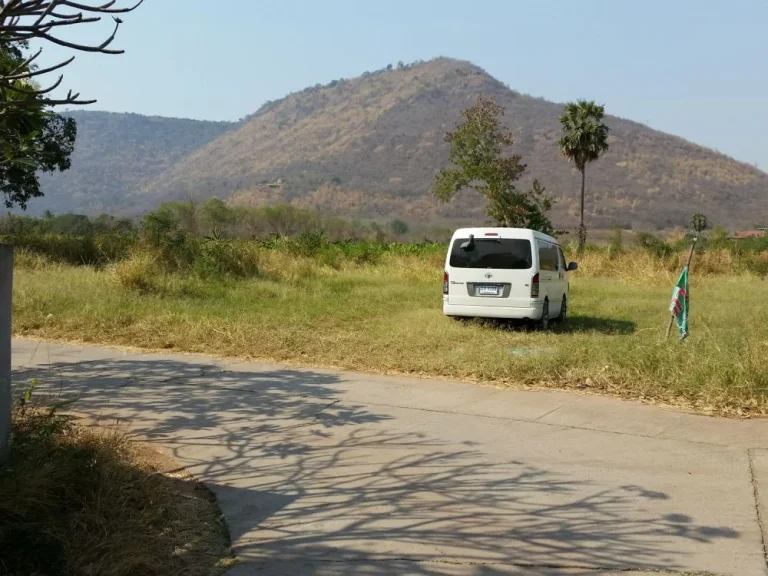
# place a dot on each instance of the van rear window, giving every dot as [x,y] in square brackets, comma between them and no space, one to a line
[498,253]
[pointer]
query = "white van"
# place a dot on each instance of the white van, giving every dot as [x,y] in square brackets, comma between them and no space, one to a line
[506,273]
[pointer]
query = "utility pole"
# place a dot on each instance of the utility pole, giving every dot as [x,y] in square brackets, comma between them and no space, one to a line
[6,289]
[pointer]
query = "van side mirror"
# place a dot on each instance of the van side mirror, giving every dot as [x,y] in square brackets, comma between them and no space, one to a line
[572,266]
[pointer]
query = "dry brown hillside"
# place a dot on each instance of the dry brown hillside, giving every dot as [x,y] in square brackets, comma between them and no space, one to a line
[370,146]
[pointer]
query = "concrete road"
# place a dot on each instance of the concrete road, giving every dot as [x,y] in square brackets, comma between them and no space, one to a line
[322,472]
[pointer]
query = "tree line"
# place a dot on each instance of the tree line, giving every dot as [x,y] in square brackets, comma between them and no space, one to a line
[218,220]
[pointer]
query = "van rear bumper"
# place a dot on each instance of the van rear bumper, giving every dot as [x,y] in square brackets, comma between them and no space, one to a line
[531,313]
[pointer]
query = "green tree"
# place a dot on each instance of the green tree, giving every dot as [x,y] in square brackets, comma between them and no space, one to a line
[124,225]
[616,241]
[187,214]
[103,223]
[476,151]
[719,237]
[32,139]
[699,223]
[584,139]
[74,224]
[161,227]
[398,227]
[215,217]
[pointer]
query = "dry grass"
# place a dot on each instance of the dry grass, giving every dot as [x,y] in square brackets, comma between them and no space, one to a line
[640,266]
[387,317]
[85,502]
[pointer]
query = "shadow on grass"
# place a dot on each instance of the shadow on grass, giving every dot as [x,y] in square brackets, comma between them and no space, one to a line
[595,324]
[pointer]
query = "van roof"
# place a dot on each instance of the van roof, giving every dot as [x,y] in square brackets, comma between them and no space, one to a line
[505,233]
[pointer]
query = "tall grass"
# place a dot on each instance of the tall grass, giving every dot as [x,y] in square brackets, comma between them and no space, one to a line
[639,265]
[174,251]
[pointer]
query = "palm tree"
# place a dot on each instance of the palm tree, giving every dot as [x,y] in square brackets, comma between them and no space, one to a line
[584,139]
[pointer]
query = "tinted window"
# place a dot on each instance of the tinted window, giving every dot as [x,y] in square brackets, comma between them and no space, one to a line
[547,257]
[499,254]
[563,265]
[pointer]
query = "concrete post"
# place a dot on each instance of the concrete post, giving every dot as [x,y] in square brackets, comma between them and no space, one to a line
[6,286]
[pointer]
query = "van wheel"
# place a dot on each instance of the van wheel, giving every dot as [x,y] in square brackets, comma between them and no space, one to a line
[563,317]
[544,322]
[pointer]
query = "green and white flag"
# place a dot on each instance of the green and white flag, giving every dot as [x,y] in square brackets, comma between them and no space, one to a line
[679,305]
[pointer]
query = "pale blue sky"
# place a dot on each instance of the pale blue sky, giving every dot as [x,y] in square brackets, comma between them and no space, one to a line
[696,68]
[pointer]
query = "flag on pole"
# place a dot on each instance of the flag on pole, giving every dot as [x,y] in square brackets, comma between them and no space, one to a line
[679,305]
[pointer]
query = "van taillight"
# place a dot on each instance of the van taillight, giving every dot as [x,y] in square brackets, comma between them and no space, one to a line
[535,286]
[445,282]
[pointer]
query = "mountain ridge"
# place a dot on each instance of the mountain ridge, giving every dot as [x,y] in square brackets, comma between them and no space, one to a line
[115,153]
[370,146]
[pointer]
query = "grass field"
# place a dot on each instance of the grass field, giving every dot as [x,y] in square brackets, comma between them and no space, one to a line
[386,317]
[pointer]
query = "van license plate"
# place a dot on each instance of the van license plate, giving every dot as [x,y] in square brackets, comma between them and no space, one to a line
[487,290]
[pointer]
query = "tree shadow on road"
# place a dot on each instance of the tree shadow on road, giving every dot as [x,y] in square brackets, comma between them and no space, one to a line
[310,483]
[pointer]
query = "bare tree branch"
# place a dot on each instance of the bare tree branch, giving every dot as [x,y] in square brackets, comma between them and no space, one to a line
[36,91]
[39,72]
[28,20]
[26,64]
[70,100]
[80,47]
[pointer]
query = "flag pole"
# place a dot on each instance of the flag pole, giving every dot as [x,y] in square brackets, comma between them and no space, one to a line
[688,265]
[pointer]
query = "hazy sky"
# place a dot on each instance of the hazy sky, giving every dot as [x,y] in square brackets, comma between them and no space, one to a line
[696,68]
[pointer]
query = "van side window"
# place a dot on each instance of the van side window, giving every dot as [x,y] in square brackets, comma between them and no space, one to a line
[547,257]
[563,265]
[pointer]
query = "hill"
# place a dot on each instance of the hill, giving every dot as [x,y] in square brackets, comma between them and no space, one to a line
[116,154]
[370,146]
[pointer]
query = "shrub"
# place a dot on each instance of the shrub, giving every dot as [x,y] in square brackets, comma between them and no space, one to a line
[719,238]
[758,264]
[219,258]
[363,252]
[96,250]
[137,273]
[399,227]
[616,243]
[652,244]
[309,243]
